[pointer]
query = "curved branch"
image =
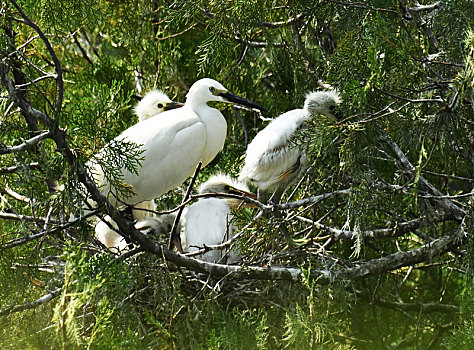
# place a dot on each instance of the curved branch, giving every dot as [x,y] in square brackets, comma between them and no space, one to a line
[25,145]
[322,276]
[32,304]
[57,64]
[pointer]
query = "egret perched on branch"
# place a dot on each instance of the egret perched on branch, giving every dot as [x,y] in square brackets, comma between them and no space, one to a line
[272,162]
[174,143]
[208,221]
[152,104]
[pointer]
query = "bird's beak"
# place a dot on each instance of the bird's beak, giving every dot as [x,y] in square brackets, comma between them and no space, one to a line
[228,96]
[172,105]
[336,114]
[250,195]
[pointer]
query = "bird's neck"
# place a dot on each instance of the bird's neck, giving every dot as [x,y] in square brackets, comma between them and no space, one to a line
[216,131]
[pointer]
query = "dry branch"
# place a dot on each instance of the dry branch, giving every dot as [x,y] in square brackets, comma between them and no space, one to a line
[32,304]
[25,145]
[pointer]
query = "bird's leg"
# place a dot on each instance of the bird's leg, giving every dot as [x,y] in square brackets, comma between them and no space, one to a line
[262,197]
[275,199]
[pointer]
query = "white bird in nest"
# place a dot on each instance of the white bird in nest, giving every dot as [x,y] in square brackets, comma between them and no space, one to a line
[207,222]
[272,163]
[153,103]
[106,230]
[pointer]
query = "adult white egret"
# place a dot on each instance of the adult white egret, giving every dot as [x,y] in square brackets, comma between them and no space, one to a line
[272,162]
[174,143]
[152,104]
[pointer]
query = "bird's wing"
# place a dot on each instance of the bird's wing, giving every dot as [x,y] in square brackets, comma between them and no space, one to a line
[270,156]
[172,146]
[206,222]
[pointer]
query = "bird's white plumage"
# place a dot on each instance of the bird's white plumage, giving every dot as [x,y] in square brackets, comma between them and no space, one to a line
[158,225]
[173,145]
[106,232]
[271,161]
[269,155]
[208,221]
[152,104]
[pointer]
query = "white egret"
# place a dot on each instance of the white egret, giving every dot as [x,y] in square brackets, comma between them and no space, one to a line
[208,221]
[152,104]
[272,162]
[174,143]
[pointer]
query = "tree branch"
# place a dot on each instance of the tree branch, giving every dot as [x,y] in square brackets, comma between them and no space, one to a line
[405,166]
[418,307]
[15,168]
[32,304]
[25,145]
[57,64]
[425,8]
[19,241]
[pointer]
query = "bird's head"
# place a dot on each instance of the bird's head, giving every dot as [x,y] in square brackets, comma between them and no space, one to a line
[323,102]
[207,89]
[221,183]
[153,103]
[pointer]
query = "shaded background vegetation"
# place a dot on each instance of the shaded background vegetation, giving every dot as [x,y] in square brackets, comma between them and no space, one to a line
[405,73]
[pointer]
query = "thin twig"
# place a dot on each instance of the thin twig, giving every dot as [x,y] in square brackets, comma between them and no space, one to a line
[174,236]
[25,145]
[57,64]
[32,304]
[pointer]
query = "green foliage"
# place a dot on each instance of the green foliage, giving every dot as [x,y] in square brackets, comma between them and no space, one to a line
[462,336]
[406,74]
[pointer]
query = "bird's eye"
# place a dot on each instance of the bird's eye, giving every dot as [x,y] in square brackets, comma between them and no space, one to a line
[160,105]
[226,188]
[212,89]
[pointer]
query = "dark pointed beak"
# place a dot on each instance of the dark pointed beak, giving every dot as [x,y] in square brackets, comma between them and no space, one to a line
[172,105]
[242,193]
[245,194]
[336,114]
[241,101]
